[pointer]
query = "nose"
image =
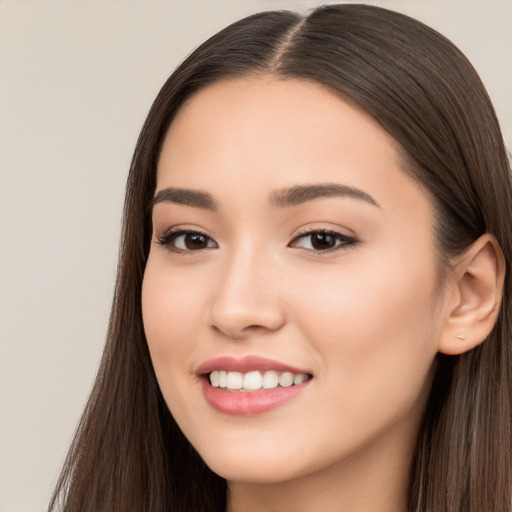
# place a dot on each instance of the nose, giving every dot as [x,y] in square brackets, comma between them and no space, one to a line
[247,301]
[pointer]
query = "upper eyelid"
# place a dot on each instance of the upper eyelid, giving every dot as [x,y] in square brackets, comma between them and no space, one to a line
[334,231]
[176,232]
[326,231]
[301,232]
[184,229]
[180,229]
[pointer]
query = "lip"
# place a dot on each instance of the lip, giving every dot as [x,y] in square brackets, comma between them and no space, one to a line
[250,403]
[246,364]
[247,403]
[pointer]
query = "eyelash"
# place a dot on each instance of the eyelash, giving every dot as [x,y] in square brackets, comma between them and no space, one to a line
[170,236]
[345,242]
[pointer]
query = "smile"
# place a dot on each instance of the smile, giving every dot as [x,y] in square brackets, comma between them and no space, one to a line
[255,380]
[251,385]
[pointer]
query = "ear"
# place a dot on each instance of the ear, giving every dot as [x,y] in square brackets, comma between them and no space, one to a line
[473,308]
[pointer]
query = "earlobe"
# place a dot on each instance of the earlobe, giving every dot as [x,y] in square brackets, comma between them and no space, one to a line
[474,307]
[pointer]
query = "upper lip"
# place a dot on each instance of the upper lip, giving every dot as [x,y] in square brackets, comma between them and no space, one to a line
[245,364]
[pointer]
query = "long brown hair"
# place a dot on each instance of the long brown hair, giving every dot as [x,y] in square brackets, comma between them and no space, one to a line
[128,454]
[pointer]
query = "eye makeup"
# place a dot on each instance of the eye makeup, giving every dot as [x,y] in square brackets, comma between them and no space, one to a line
[317,240]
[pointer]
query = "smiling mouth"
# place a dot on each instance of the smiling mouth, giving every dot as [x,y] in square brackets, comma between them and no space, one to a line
[255,380]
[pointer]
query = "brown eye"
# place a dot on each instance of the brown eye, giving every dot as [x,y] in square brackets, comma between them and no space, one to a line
[186,241]
[195,241]
[323,241]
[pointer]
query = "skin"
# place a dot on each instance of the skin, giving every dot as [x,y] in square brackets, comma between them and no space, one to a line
[365,320]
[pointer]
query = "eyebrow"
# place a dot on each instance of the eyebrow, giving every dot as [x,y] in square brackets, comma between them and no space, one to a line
[187,197]
[280,198]
[300,194]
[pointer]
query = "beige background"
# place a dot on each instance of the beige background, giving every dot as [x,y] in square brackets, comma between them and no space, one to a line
[76,80]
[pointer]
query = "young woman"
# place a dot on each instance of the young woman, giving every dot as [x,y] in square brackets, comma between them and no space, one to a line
[312,311]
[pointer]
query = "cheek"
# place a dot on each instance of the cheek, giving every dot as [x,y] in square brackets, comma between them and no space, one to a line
[375,331]
[171,312]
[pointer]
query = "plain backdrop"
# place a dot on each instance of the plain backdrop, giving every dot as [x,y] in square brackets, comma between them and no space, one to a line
[76,81]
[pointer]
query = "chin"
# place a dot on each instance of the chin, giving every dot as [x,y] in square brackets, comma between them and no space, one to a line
[242,462]
[254,471]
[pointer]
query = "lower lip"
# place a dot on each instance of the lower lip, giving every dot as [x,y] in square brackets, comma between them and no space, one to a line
[249,403]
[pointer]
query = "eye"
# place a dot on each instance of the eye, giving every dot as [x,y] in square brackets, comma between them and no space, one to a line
[323,241]
[186,241]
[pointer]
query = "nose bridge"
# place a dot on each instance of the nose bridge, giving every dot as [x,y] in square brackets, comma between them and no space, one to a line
[247,295]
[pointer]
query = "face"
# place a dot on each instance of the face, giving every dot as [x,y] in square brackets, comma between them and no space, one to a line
[293,265]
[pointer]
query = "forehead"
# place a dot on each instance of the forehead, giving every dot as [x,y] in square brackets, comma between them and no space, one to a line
[261,133]
[278,113]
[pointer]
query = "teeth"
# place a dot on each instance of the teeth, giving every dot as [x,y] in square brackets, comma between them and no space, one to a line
[214,378]
[299,379]
[286,379]
[235,380]
[255,380]
[270,380]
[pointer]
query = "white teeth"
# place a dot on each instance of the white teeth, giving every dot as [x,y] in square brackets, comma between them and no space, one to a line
[286,379]
[270,380]
[235,380]
[299,379]
[214,378]
[254,380]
